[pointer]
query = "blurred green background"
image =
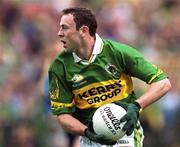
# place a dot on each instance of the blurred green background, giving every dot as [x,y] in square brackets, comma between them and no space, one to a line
[29,42]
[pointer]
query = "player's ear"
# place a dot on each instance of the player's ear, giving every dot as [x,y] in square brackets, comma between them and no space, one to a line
[84,30]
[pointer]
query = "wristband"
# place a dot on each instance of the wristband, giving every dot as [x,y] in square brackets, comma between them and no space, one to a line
[138,105]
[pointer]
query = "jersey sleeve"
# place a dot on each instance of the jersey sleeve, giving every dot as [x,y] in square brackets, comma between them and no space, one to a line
[61,96]
[137,66]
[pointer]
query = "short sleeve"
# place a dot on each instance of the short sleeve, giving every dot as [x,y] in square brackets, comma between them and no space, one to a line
[137,66]
[61,96]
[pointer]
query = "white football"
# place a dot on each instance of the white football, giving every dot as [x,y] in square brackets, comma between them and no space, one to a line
[106,121]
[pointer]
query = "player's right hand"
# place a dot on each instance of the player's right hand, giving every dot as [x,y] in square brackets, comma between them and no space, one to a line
[131,117]
[89,133]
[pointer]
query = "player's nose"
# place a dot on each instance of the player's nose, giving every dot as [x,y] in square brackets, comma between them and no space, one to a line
[60,33]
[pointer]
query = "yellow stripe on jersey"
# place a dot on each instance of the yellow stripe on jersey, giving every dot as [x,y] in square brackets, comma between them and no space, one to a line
[156,75]
[99,93]
[61,105]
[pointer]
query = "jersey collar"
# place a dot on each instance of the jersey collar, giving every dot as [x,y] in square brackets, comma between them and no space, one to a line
[96,50]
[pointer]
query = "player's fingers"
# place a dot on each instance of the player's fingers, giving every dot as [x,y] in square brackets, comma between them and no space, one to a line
[129,131]
[127,126]
[90,126]
[124,118]
[100,137]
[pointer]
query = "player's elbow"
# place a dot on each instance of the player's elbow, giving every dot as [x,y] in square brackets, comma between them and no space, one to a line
[167,85]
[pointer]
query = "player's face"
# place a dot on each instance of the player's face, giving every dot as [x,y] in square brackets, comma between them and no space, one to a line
[69,36]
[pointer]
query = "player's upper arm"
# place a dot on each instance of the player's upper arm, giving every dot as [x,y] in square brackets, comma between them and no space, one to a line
[61,96]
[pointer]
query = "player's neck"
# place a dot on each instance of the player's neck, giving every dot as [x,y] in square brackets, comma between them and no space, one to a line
[86,49]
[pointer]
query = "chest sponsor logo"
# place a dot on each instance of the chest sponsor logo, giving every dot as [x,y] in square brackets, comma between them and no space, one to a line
[100,93]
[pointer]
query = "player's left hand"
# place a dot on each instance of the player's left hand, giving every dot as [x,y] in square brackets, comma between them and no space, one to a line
[89,133]
[131,117]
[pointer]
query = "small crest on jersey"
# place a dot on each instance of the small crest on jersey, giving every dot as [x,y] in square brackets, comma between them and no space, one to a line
[111,69]
[77,78]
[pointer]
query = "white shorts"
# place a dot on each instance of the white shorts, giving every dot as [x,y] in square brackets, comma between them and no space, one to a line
[134,140]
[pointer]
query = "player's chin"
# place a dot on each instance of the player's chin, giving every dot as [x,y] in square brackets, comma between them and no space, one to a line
[67,50]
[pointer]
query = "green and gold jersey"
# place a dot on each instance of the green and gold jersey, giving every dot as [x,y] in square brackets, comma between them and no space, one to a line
[80,88]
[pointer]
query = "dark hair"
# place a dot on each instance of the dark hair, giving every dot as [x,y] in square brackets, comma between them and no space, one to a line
[83,16]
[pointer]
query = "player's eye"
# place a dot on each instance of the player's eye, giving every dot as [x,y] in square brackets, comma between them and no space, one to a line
[63,27]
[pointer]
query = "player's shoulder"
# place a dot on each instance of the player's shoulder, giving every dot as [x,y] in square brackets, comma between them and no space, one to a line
[63,56]
[116,46]
[60,59]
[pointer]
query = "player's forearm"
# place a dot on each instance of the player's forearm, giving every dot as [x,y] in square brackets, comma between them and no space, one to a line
[154,92]
[71,124]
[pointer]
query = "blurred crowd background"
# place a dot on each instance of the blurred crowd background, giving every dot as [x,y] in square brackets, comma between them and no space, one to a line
[29,42]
